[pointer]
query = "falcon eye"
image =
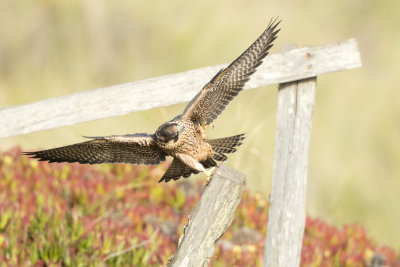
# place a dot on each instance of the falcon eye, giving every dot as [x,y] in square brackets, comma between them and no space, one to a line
[168,132]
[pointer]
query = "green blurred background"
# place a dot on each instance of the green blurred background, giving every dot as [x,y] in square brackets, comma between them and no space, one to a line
[53,48]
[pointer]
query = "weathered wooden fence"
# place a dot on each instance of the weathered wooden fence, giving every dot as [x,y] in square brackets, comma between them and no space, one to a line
[295,70]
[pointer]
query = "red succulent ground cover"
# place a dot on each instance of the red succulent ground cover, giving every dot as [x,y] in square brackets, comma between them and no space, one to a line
[118,215]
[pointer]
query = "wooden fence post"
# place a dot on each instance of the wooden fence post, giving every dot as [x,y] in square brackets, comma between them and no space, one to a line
[286,220]
[210,219]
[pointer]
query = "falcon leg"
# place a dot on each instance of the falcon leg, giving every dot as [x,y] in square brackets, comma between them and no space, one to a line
[195,165]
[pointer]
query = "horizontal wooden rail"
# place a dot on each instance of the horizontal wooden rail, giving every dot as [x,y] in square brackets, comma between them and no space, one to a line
[122,99]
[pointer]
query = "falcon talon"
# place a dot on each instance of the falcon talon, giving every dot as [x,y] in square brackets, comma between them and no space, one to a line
[183,137]
[203,127]
[209,173]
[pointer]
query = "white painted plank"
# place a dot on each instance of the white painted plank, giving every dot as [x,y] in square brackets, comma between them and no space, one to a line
[287,212]
[210,219]
[171,89]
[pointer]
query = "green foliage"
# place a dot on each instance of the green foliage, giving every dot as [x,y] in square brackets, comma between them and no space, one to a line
[118,215]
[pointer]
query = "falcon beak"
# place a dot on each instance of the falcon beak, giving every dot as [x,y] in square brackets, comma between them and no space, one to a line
[180,128]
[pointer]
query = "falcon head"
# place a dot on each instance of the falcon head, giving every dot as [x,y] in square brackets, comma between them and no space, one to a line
[168,133]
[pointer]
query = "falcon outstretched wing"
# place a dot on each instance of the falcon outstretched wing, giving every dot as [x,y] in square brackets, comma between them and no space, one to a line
[176,170]
[227,83]
[137,148]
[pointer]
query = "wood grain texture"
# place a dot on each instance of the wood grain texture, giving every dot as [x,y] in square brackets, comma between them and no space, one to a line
[289,181]
[210,219]
[171,89]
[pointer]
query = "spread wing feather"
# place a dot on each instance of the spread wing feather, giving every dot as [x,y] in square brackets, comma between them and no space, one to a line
[208,104]
[134,148]
[224,145]
[176,170]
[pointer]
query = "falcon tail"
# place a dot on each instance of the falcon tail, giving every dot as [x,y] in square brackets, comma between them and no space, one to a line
[224,145]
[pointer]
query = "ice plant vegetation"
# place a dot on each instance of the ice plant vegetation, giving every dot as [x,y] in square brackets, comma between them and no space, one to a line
[82,215]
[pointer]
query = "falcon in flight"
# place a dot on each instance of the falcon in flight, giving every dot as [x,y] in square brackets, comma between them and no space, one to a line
[183,137]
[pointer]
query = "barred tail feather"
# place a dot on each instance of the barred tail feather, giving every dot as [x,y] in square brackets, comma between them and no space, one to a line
[225,145]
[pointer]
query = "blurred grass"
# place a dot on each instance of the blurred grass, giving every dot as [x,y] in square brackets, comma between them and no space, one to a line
[55,48]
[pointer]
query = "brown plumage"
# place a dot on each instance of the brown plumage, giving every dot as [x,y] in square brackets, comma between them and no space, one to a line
[183,138]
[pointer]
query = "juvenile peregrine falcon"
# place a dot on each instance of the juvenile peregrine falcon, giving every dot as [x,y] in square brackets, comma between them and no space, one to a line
[183,137]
